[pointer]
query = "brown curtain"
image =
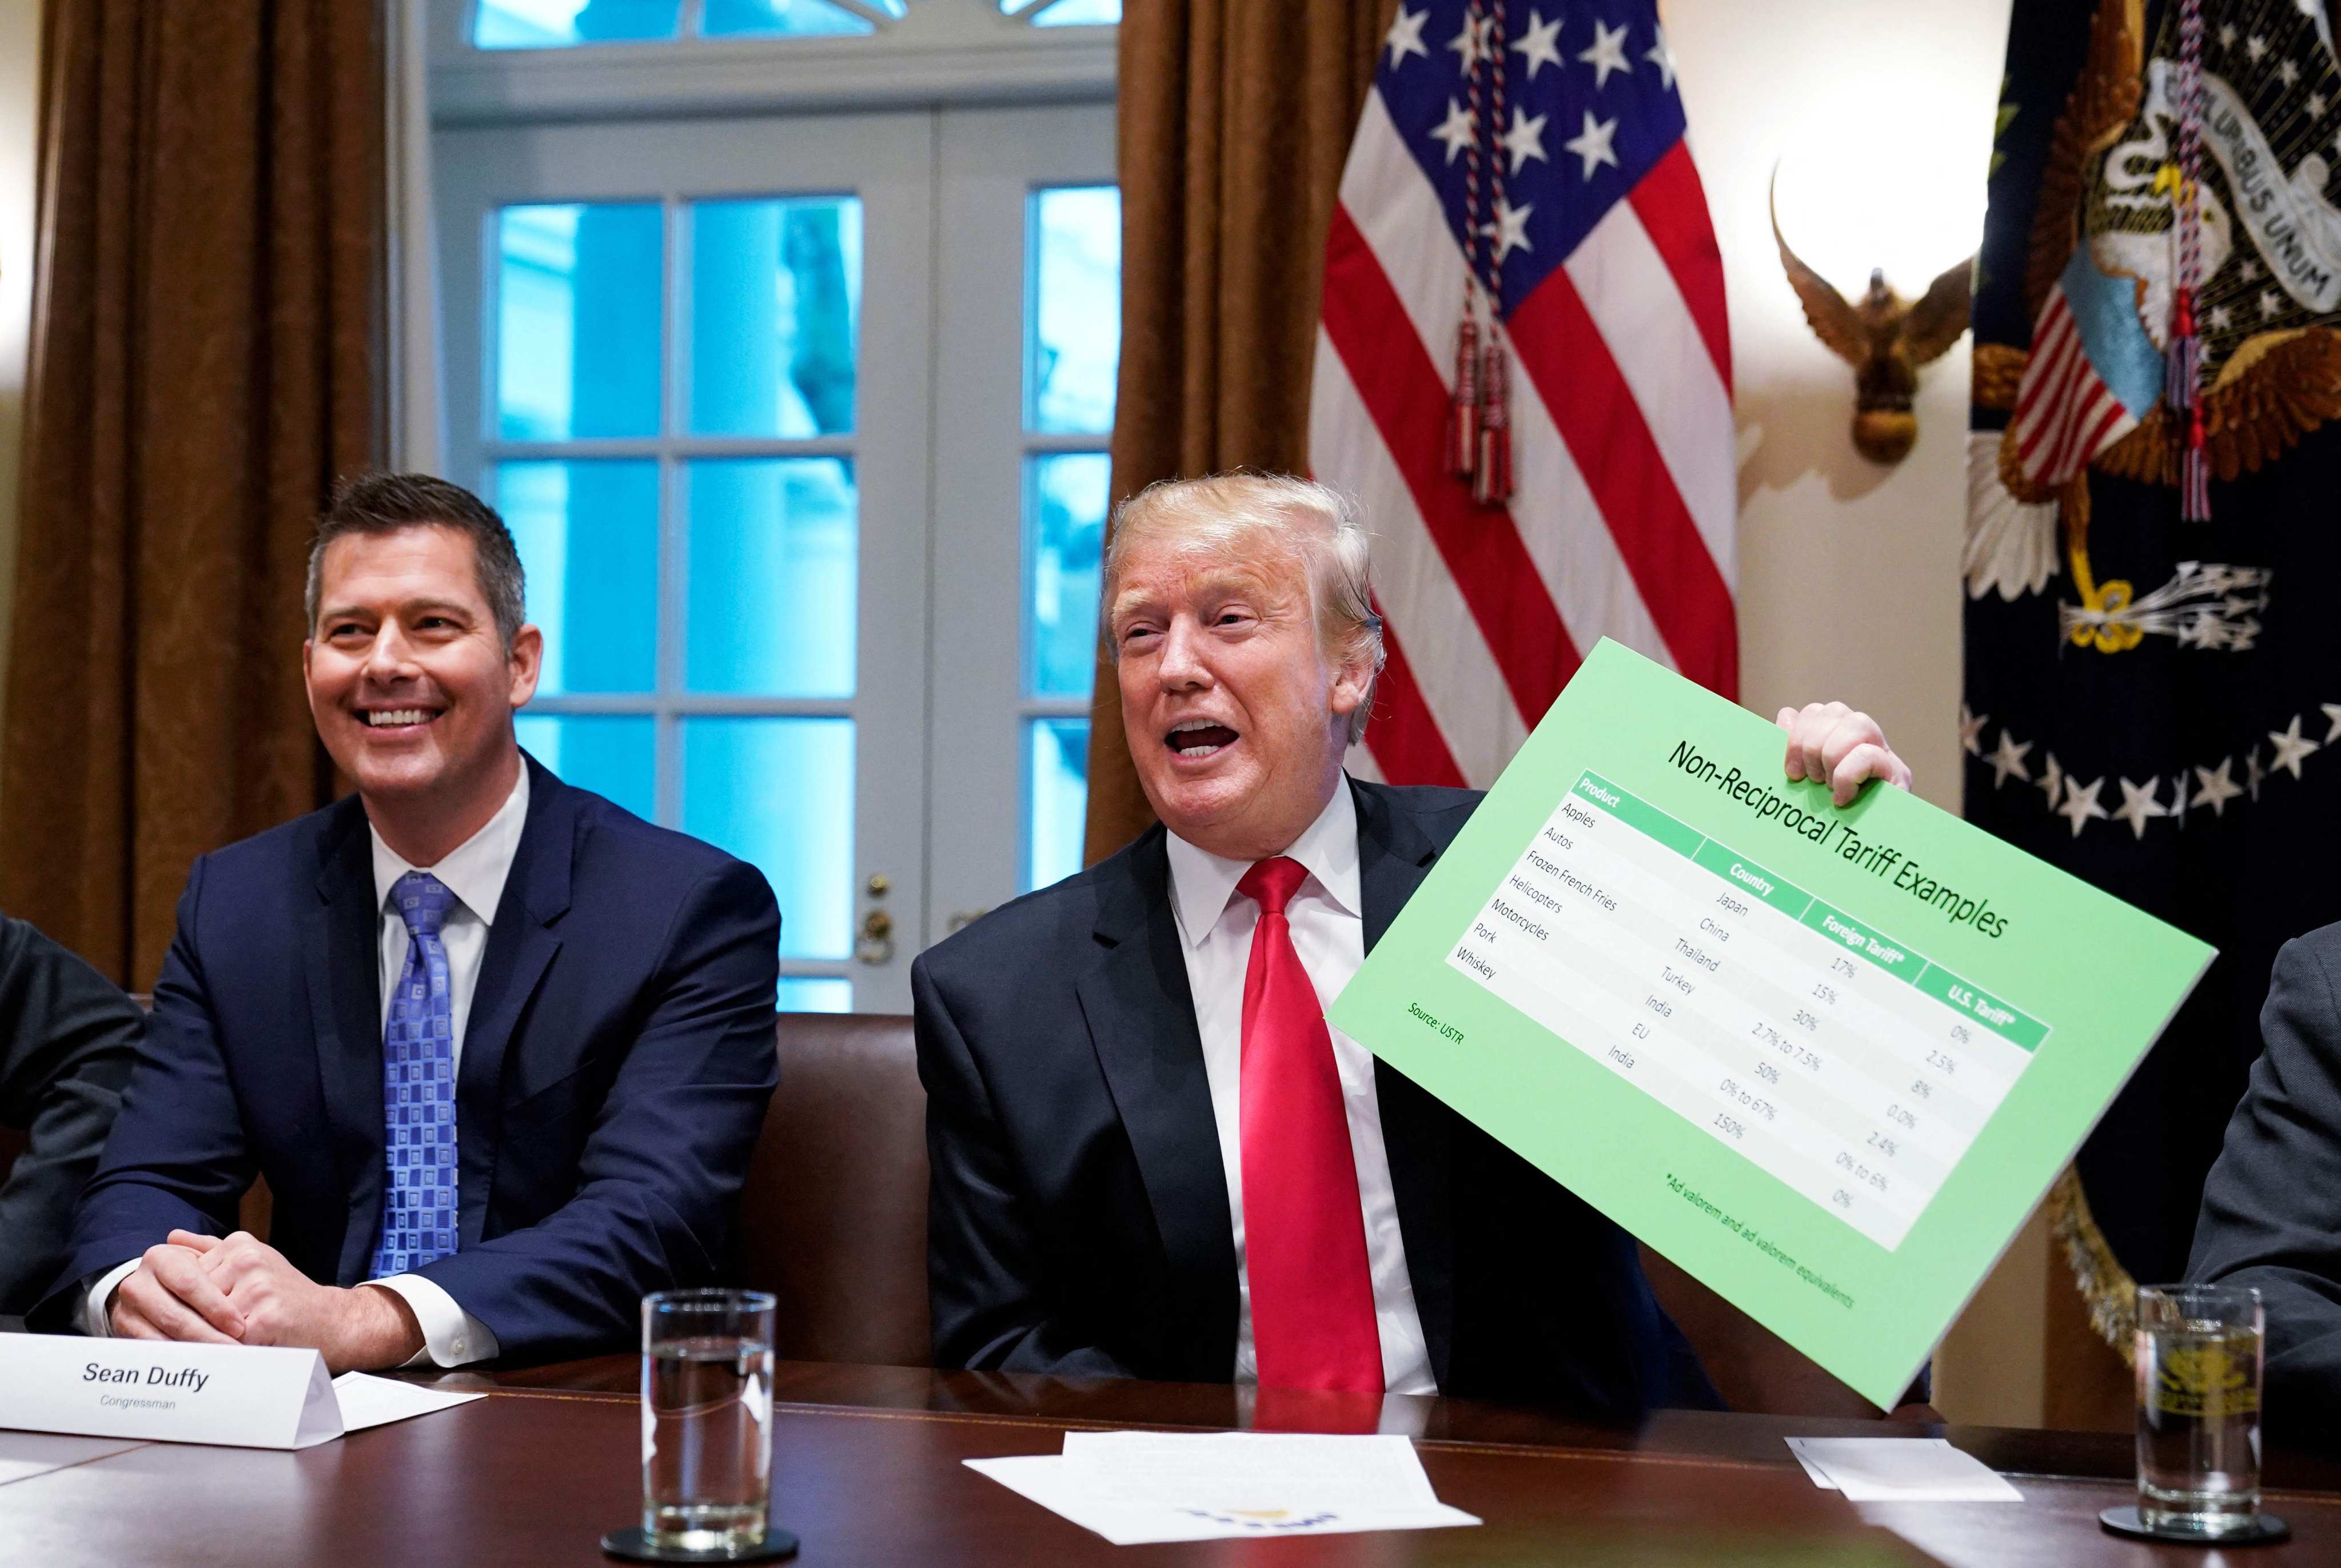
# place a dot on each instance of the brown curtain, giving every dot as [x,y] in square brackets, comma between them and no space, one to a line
[206,309]
[1235,119]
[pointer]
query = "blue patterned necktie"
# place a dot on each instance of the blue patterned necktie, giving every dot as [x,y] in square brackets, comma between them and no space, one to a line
[418,1089]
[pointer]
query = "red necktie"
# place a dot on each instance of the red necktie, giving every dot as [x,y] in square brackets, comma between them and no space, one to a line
[1312,1298]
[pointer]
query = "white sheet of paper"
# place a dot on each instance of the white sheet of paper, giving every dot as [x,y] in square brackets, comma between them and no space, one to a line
[1134,1487]
[376,1400]
[1903,1470]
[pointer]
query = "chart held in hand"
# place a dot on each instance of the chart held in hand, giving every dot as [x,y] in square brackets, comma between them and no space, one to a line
[1826,1060]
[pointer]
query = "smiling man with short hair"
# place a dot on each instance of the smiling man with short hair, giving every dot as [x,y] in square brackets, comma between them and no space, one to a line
[1152,1158]
[501,1049]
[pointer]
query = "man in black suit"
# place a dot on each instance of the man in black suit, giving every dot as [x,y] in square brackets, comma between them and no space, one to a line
[68,1038]
[1151,1156]
[2272,1205]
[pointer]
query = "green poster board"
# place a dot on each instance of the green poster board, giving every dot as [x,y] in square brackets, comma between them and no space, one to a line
[1827,1061]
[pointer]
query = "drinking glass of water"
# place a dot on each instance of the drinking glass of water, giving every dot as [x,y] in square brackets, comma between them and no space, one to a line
[2199,1349]
[707,1419]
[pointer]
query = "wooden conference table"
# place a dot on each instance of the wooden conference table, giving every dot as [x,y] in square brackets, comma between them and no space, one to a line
[866,1470]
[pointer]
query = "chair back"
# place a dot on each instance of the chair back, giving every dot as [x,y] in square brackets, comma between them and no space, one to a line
[834,1220]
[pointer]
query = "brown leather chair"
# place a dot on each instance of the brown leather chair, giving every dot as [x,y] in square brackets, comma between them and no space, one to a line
[834,1220]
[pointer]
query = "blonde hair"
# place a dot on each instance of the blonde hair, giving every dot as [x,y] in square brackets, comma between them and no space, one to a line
[1240,515]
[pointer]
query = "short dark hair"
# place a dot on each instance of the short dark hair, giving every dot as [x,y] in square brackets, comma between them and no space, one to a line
[377,503]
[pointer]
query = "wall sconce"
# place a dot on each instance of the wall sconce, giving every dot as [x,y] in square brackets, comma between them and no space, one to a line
[1885,186]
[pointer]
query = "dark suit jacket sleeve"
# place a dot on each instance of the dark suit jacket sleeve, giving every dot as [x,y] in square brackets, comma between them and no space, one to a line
[177,1159]
[984,1288]
[659,1180]
[2272,1207]
[71,1040]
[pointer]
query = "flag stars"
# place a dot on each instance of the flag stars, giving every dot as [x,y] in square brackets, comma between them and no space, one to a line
[2228,34]
[1971,730]
[2288,73]
[1404,36]
[2253,774]
[2080,807]
[1607,53]
[1476,43]
[1510,229]
[1525,140]
[2217,786]
[1541,45]
[2009,759]
[2291,748]
[2256,48]
[2219,318]
[1661,56]
[1457,131]
[2051,781]
[2332,721]
[2249,271]
[2316,105]
[2271,304]
[1593,143]
[2140,803]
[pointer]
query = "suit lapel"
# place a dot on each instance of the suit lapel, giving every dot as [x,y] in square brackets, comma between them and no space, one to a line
[1141,1019]
[1418,1130]
[343,977]
[520,948]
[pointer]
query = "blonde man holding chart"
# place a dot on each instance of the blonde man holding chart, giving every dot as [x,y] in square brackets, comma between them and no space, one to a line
[1151,1159]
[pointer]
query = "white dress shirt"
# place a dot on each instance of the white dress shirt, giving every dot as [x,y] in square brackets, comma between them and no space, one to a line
[1328,921]
[474,871]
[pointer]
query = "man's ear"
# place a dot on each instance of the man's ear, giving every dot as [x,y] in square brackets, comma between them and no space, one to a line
[1353,686]
[527,663]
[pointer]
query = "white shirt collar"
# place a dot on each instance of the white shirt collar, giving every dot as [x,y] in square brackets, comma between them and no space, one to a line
[1201,882]
[475,869]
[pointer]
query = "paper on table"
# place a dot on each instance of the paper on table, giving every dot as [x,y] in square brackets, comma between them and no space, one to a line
[376,1400]
[1138,1487]
[1902,1470]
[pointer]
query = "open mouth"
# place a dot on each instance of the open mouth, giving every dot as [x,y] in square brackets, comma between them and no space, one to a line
[397,718]
[1199,738]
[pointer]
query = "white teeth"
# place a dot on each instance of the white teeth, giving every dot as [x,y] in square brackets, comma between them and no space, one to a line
[1193,724]
[382,716]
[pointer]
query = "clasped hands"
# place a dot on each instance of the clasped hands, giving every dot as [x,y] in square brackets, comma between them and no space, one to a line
[239,1290]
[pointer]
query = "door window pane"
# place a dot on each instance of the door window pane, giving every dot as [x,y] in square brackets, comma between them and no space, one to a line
[1065,535]
[815,993]
[588,539]
[778,18]
[773,558]
[1057,797]
[578,302]
[1075,345]
[1075,13]
[555,23]
[613,756]
[778,794]
[775,301]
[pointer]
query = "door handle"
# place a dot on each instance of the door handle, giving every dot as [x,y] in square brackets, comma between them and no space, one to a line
[876,944]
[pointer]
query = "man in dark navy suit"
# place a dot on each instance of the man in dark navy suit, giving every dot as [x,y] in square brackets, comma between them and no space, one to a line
[1151,1155]
[501,1048]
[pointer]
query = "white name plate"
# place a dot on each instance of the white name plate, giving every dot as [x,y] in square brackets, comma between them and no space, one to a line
[244,1396]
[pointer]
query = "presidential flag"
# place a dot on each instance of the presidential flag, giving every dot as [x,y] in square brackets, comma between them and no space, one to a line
[2152,681]
[1524,373]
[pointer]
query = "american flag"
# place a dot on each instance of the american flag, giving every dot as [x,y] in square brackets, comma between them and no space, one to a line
[1546,141]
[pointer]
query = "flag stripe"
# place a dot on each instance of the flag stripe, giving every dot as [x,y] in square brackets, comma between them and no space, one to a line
[1452,665]
[1563,353]
[1672,205]
[1403,737]
[1401,390]
[1632,298]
